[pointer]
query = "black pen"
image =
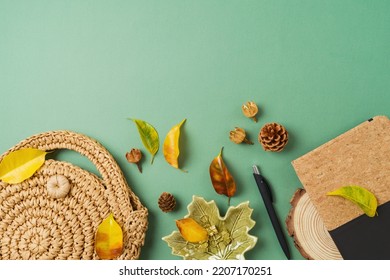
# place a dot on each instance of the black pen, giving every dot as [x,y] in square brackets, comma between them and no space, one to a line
[265,192]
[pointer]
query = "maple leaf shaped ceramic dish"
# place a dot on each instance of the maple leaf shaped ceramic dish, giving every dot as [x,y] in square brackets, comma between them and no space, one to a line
[228,236]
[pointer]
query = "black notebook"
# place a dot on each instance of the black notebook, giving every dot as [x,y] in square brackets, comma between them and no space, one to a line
[370,238]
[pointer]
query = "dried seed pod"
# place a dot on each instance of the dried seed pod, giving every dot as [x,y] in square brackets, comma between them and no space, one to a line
[135,156]
[58,186]
[166,202]
[250,110]
[238,135]
[273,137]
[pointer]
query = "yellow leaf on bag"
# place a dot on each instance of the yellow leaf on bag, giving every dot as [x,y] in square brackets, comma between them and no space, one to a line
[171,145]
[191,231]
[361,196]
[109,239]
[21,164]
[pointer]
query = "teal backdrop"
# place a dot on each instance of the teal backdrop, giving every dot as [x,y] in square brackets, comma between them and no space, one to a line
[317,67]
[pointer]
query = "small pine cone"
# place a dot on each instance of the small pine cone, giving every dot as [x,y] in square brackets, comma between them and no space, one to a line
[166,202]
[273,137]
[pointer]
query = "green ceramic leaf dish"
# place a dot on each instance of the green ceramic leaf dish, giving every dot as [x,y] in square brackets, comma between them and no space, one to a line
[228,235]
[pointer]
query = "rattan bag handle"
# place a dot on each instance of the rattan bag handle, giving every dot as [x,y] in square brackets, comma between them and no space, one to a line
[112,175]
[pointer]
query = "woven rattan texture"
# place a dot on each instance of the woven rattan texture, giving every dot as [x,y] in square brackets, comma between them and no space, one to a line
[33,225]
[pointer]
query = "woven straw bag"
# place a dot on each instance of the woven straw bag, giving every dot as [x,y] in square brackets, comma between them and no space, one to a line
[34,225]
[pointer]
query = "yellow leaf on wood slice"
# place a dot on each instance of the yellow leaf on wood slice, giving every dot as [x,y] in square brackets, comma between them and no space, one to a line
[171,148]
[109,239]
[21,164]
[361,196]
[191,231]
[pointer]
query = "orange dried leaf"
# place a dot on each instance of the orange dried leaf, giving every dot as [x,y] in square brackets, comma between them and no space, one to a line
[191,231]
[109,239]
[222,180]
[171,145]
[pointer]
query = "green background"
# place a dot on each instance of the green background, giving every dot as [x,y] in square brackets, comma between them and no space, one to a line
[317,67]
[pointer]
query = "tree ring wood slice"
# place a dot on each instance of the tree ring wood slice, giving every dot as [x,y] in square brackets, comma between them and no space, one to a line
[305,225]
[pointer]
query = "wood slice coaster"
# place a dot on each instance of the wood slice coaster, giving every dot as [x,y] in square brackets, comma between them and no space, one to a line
[305,225]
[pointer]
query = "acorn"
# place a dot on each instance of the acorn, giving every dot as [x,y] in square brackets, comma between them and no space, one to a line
[250,110]
[238,135]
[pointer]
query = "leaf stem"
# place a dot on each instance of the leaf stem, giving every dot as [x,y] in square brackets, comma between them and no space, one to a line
[220,153]
[139,167]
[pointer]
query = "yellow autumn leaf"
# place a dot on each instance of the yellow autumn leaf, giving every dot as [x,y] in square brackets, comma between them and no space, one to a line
[109,239]
[191,231]
[171,145]
[21,164]
[361,196]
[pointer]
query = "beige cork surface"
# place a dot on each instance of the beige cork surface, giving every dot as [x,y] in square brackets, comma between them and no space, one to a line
[360,156]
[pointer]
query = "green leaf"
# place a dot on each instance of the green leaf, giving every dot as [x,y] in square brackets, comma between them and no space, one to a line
[21,164]
[361,196]
[149,136]
[228,236]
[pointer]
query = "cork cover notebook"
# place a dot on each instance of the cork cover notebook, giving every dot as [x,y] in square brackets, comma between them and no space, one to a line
[361,157]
